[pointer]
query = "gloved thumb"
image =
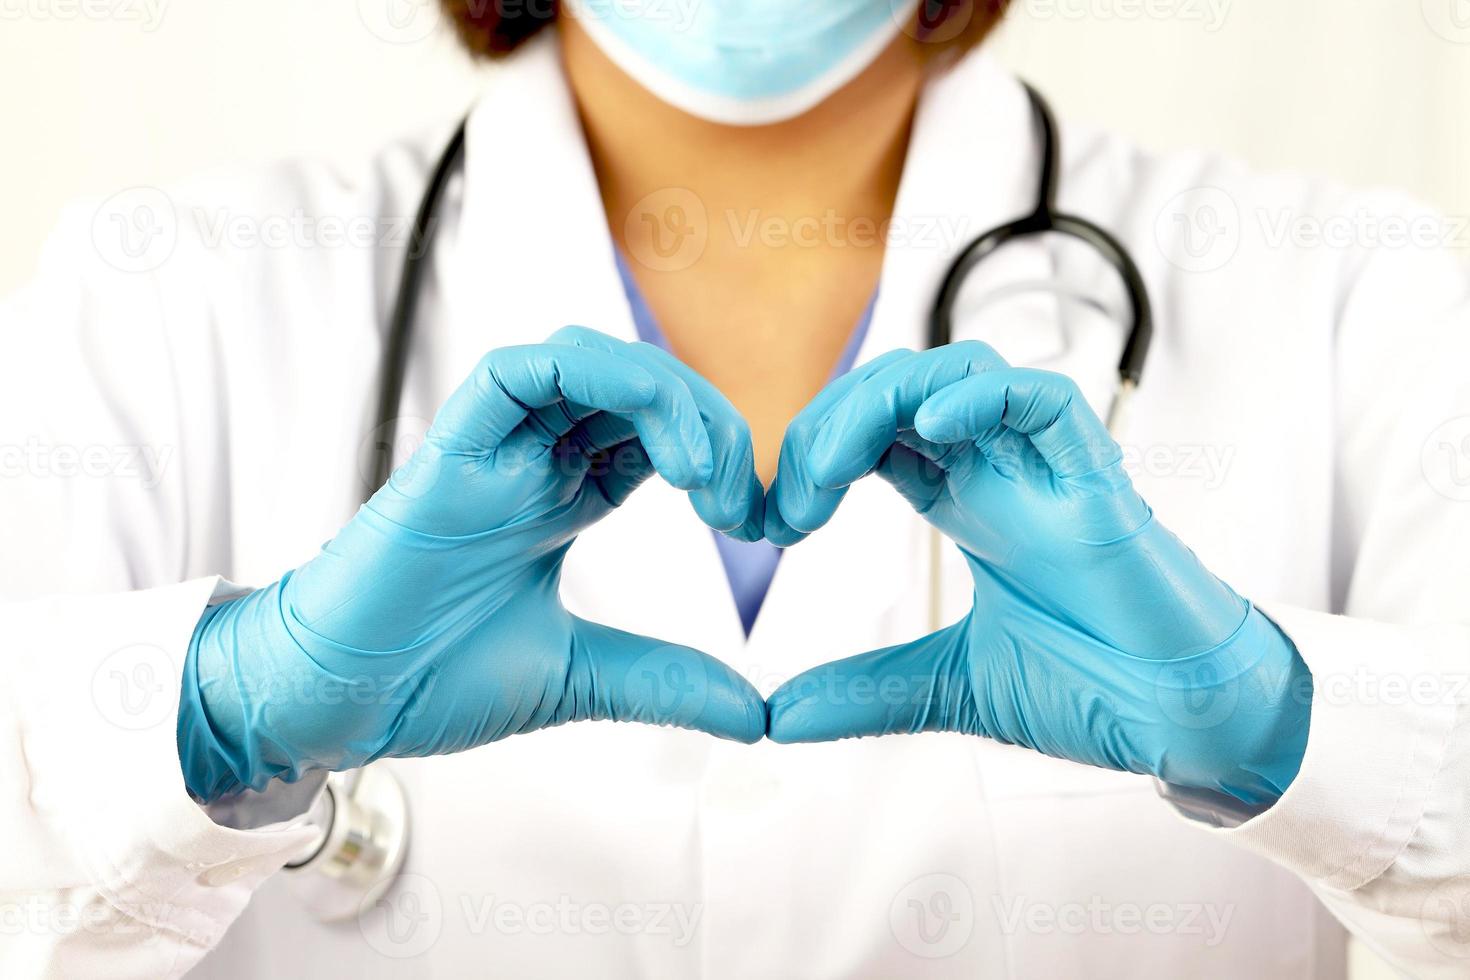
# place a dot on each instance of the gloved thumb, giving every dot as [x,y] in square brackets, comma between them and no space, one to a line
[922,686]
[618,676]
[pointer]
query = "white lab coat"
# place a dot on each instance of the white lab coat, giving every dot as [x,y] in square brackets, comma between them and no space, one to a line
[1299,424]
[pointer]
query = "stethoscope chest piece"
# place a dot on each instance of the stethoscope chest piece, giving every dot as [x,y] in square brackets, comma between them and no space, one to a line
[364,816]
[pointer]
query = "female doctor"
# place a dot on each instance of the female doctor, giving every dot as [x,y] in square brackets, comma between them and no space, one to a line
[1255,596]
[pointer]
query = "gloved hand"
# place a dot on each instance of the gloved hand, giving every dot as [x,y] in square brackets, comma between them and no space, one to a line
[432,623]
[1095,636]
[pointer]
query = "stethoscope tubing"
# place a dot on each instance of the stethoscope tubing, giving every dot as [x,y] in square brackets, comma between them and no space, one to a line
[1045,218]
[405,309]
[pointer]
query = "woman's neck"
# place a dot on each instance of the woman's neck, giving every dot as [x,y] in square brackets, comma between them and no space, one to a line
[843,158]
[756,248]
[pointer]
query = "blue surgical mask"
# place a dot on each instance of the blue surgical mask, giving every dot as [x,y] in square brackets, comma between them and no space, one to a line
[742,62]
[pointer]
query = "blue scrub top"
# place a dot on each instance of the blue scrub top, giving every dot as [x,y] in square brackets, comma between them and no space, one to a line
[749,566]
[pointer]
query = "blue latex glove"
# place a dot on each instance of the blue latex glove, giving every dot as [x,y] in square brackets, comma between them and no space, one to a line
[1096,635]
[432,622]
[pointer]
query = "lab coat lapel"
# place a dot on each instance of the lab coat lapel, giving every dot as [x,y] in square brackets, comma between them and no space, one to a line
[535,255]
[972,165]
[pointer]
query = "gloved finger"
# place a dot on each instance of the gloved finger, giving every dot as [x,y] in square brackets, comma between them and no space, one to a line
[601,431]
[670,425]
[552,423]
[511,382]
[796,505]
[934,452]
[609,477]
[916,477]
[621,469]
[859,430]
[733,501]
[1042,405]
[621,676]
[923,686]
[673,433]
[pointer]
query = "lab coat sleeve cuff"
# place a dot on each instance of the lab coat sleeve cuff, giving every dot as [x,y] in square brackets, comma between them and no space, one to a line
[97,718]
[1384,708]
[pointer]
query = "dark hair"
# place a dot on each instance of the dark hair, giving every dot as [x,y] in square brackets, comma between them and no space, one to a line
[494,28]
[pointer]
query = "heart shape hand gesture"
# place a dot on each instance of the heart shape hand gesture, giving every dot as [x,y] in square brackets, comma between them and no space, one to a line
[432,622]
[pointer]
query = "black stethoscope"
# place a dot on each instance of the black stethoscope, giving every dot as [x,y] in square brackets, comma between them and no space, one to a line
[364,835]
[1043,219]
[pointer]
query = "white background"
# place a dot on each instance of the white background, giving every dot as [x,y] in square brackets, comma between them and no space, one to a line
[101,95]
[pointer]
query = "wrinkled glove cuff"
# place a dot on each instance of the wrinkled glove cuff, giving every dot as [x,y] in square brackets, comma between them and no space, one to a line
[223,748]
[1248,704]
[210,766]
